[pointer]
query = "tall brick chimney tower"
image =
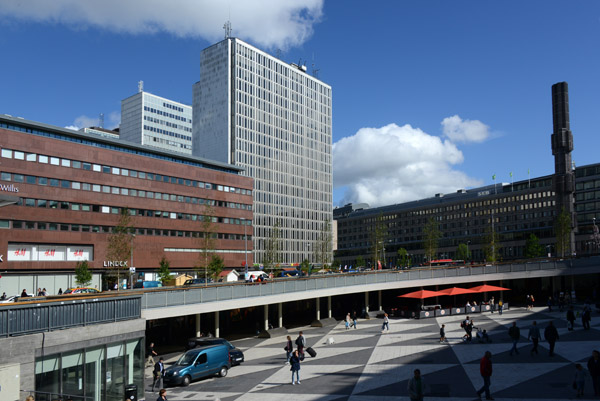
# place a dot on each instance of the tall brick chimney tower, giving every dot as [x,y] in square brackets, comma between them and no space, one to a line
[563,181]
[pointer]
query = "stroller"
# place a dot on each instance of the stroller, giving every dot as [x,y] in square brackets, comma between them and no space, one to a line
[482,335]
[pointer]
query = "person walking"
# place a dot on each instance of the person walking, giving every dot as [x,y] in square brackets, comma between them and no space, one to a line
[586,316]
[24,293]
[289,349]
[348,321]
[416,387]
[500,306]
[492,305]
[570,318]
[549,303]
[593,366]
[485,368]
[551,335]
[301,344]
[150,354]
[162,395]
[579,380]
[534,336]
[514,333]
[443,333]
[295,368]
[354,319]
[386,323]
[159,374]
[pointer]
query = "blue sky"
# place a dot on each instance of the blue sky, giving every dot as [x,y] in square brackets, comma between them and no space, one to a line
[428,96]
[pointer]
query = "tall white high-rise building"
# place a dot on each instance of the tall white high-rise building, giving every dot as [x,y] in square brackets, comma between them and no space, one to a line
[152,120]
[273,118]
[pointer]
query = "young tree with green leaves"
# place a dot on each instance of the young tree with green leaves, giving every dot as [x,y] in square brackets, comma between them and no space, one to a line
[360,262]
[216,266]
[273,248]
[206,241]
[305,267]
[120,245]
[562,229]
[323,245]
[402,257]
[83,275]
[379,234]
[164,274]
[431,236]
[462,252]
[533,248]
[491,248]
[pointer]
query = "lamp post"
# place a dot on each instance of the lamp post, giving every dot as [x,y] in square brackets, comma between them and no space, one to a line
[244,221]
[131,266]
[468,254]
[548,250]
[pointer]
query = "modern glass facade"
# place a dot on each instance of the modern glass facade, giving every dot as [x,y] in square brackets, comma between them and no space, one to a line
[92,374]
[273,119]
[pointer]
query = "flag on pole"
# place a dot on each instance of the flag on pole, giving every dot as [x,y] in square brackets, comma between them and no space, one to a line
[494,177]
[511,174]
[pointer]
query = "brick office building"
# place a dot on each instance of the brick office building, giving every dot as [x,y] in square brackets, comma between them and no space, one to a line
[63,191]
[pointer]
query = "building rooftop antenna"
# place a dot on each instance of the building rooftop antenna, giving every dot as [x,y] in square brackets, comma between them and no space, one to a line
[227,28]
[101,120]
[315,71]
[140,86]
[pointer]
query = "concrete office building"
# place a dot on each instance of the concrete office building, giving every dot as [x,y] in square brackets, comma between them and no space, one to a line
[152,120]
[514,211]
[63,191]
[272,118]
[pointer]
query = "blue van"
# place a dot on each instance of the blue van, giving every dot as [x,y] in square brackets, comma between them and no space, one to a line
[197,364]
[147,284]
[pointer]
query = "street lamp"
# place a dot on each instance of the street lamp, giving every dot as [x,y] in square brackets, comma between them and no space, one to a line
[131,266]
[244,222]
[468,254]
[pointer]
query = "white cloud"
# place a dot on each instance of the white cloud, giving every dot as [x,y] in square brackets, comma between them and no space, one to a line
[393,164]
[269,23]
[111,121]
[459,130]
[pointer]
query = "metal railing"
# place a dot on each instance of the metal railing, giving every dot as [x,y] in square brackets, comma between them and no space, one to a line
[33,317]
[179,296]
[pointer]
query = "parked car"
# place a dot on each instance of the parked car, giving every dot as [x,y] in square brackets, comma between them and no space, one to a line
[147,284]
[236,355]
[195,281]
[254,275]
[198,363]
[81,290]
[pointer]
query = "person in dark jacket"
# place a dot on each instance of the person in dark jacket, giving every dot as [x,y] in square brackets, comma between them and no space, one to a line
[485,368]
[162,395]
[416,387]
[514,333]
[295,362]
[159,373]
[593,366]
[534,335]
[289,349]
[301,343]
[570,318]
[551,335]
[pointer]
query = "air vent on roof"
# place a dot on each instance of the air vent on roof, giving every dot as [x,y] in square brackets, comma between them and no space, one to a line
[461,191]
[439,195]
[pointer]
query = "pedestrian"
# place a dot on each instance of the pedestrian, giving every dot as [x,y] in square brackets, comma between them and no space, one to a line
[416,386]
[534,336]
[159,374]
[485,368]
[531,302]
[150,354]
[301,344]
[469,329]
[570,318]
[386,323]
[443,333]
[551,335]
[162,395]
[579,380]
[492,305]
[500,306]
[549,303]
[39,292]
[289,348]
[3,297]
[24,293]
[514,333]
[60,291]
[44,292]
[593,366]
[295,368]
[528,302]
[29,398]
[465,326]
[354,319]
[348,321]
[586,316]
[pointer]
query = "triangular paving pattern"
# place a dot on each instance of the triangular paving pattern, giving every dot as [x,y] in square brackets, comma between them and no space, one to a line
[504,376]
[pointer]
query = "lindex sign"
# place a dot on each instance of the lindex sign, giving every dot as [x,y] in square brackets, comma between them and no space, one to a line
[115,263]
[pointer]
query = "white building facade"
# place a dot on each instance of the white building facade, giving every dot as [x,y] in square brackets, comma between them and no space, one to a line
[152,120]
[275,120]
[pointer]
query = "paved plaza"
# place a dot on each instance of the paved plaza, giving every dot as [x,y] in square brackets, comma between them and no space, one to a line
[365,364]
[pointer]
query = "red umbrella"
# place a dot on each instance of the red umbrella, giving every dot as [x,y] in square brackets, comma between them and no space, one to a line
[456,291]
[488,288]
[421,294]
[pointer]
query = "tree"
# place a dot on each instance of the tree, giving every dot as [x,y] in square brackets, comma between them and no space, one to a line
[431,236]
[120,245]
[462,252]
[322,252]
[273,247]
[491,247]
[533,248]
[402,257]
[360,262]
[379,235]
[216,266]
[562,228]
[83,275]
[305,267]
[164,274]
[206,241]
